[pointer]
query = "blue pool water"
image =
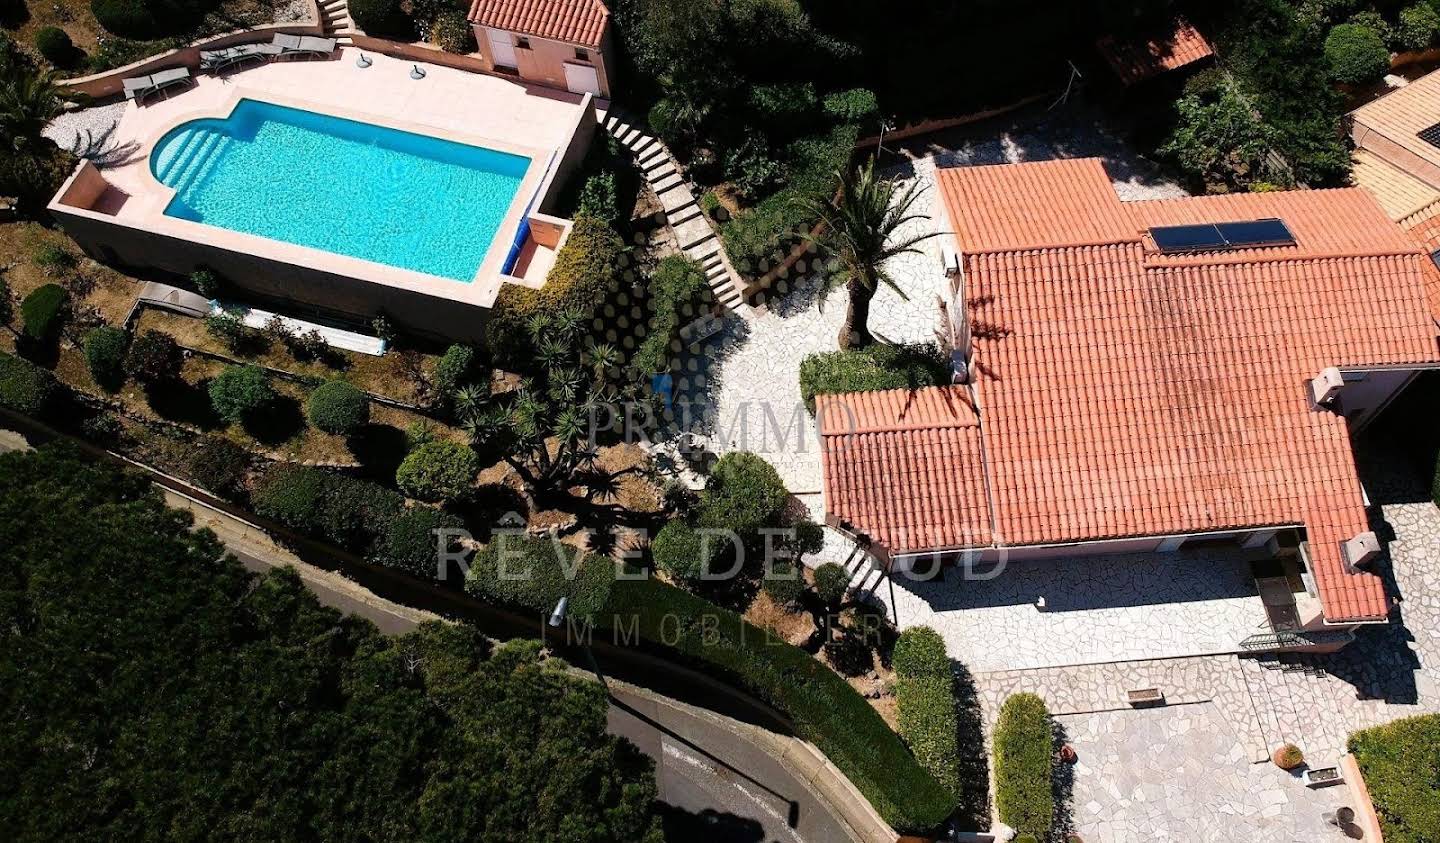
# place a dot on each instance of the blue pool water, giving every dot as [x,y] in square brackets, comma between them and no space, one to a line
[351,188]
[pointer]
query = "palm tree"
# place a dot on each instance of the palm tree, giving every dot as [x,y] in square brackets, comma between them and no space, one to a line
[29,100]
[858,231]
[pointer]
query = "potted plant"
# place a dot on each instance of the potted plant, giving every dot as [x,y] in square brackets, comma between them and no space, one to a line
[1288,757]
[1067,754]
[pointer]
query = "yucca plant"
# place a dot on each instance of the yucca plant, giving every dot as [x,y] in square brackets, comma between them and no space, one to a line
[858,232]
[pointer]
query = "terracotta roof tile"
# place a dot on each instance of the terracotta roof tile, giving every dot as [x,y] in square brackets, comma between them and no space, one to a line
[1396,120]
[571,21]
[1127,393]
[1137,59]
[1399,193]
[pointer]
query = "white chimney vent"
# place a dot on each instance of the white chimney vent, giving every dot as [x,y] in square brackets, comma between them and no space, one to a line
[950,261]
[1326,386]
[1360,550]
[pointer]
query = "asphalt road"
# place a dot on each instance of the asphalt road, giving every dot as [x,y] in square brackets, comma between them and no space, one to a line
[717,778]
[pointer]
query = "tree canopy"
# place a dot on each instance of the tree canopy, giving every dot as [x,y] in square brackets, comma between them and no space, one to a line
[151,688]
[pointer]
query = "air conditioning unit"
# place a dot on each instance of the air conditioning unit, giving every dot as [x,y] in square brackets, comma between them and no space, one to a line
[950,261]
[1361,550]
[1326,386]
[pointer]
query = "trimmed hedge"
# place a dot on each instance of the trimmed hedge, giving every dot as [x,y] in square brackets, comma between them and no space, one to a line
[218,465]
[105,355]
[41,311]
[869,369]
[785,584]
[338,407]
[925,703]
[584,270]
[538,571]
[1024,751]
[1401,765]
[239,392]
[1356,54]
[145,20]
[332,507]
[677,290]
[438,472]
[409,543]
[825,709]
[25,387]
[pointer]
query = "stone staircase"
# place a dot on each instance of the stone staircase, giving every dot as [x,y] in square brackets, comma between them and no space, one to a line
[336,20]
[692,228]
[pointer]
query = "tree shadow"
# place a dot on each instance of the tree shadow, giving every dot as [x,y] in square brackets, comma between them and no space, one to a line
[14,15]
[708,825]
[42,352]
[279,422]
[380,448]
[488,504]
[974,796]
[1062,784]
[186,403]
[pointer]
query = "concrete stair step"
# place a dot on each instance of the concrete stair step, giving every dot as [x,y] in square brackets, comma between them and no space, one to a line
[693,232]
[644,146]
[649,160]
[712,261]
[664,171]
[612,122]
[674,199]
[684,214]
[669,182]
[628,136]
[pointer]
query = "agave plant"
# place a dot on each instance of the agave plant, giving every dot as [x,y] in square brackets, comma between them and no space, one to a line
[858,231]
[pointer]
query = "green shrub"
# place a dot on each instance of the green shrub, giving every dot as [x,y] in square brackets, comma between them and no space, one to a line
[338,407]
[744,494]
[598,198]
[206,283]
[676,550]
[537,572]
[227,329]
[826,710]
[856,105]
[1401,765]
[785,584]
[919,652]
[1024,747]
[105,355]
[219,465]
[1356,54]
[1417,27]
[455,369]
[677,290]
[438,472]
[451,32]
[325,506]
[581,277]
[42,311]
[381,18]
[239,392]
[34,175]
[832,581]
[1375,22]
[55,46]
[154,358]
[409,542]
[872,368]
[25,387]
[928,721]
[751,168]
[54,260]
[781,108]
[149,19]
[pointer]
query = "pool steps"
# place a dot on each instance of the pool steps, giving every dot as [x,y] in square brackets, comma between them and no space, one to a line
[692,228]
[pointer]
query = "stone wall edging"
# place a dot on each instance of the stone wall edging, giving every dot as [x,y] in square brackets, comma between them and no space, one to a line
[111,82]
[420,51]
[1360,794]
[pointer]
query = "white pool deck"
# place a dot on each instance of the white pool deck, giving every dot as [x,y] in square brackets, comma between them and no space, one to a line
[489,111]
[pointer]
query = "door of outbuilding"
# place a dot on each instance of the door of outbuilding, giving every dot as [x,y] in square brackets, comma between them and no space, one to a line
[502,47]
[582,79]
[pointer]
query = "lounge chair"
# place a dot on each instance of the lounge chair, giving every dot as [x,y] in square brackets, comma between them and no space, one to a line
[216,61]
[137,88]
[308,45]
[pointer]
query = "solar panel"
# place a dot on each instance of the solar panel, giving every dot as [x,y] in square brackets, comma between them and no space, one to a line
[1431,135]
[1207,237]
[1269,232]
[1187,238]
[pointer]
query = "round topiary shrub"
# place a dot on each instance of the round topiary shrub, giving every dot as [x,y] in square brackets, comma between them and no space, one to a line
[438,472]
[676,550]
[154,358]
[105,355]
[381,17]
[1356,54]
[218,465]
[338,407]
[41,311]
[24,387]
[831,583]
[1417,27]
[55,46]
[920,653]
[785,584]
[239,392]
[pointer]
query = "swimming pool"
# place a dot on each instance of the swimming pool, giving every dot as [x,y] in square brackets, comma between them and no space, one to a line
[347,187]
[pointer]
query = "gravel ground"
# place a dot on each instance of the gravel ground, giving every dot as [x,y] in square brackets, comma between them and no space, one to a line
[90,133]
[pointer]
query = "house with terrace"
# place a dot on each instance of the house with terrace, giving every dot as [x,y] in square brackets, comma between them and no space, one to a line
[566,44]
[1147,377]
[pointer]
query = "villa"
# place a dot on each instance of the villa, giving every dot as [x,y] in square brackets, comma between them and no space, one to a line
[1142,377]
[345,187]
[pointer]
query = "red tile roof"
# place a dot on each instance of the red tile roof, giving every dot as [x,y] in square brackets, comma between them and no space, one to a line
[571,21]
[1126,393]
[1137,59]
[1426,232]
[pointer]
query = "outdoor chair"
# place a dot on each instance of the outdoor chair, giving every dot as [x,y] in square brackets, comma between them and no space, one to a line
[137,88]
[303,45]
[217,61]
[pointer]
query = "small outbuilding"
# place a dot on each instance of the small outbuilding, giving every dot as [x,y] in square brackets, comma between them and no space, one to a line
[566,44]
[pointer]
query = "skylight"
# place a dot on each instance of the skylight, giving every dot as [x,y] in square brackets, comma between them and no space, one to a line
[1207,237]
[1431,135]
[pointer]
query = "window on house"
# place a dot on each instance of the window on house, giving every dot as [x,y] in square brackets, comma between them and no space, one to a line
[522,43]
[582,54]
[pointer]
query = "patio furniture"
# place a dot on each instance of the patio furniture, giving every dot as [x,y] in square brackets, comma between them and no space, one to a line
[308,45]
[216,61]
[139,87]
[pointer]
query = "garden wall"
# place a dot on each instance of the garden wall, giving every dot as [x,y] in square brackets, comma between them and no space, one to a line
[111,82]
